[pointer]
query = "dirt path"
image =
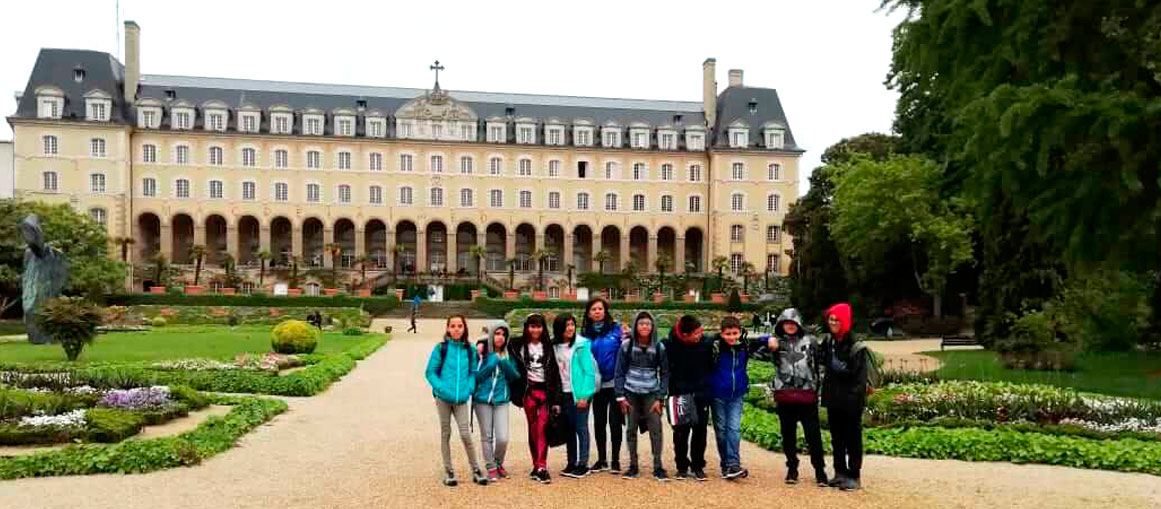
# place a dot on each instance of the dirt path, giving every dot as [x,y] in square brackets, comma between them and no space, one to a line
[371,440]
[905,355]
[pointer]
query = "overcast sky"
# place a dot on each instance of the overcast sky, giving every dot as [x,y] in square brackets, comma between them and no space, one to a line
[827,58]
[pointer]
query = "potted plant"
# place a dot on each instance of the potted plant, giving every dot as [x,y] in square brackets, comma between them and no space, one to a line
[475,294]
[364,292]
[658,297]
[689,297]
[227,291]
[294,292]
[331,292]
[399,294]
[157,290]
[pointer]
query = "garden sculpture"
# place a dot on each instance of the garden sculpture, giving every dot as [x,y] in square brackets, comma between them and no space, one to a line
[46,273]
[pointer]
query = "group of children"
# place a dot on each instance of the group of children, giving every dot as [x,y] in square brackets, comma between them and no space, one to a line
[629,378]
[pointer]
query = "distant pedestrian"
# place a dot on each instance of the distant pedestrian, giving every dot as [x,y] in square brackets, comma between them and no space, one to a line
[414,313]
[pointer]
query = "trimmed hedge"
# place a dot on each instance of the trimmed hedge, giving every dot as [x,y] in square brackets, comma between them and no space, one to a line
[373,305]
[975,444]
[214,435]
[500,307]
[241,315]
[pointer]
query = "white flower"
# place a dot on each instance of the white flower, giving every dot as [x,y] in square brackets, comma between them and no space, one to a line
[76,418]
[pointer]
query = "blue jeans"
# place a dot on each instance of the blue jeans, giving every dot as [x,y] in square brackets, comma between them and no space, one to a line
[728,430]
[577,447]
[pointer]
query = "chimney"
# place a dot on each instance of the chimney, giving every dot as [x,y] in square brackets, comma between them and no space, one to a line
[132,60]
[735,77]
[709,90]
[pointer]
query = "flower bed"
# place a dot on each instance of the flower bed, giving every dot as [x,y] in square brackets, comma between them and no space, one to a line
[244,315]
[268,361]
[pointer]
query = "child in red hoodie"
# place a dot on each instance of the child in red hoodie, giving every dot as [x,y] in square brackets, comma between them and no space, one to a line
[844,394]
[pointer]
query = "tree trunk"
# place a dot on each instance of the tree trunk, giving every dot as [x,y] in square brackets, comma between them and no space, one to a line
[197,270]
[937,304]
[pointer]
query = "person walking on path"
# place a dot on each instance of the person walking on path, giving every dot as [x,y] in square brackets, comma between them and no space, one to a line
[578,380]
[537,389]
[796,356]
[451,373]
[729,383]
[642,379]
[414,316]
[491,398]
[690,356]
[844,394]
[605,335]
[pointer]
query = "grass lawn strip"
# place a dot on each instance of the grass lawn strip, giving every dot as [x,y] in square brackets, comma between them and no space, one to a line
[214,435]
[1132,374]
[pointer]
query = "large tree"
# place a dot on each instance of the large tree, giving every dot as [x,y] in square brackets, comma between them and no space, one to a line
[1047,113]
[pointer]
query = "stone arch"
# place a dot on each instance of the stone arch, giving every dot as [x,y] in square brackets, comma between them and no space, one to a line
[695,249]
[313,242]
[582,248]
[249,240]
[611,246]
[344,236]
[639,248]
[375,242]
[436,239]
[281,240]
[148,236]
[406,240]
[496,242]
[182,229]
[525,246]
[467,236]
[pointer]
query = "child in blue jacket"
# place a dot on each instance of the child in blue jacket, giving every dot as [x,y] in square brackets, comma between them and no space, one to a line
[729,383]
[492,397]
[604,335]
[451,372]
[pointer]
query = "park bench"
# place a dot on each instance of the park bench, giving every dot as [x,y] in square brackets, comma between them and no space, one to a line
[956,341]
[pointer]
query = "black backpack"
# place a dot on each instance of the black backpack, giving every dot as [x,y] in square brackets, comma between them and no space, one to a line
[443,357]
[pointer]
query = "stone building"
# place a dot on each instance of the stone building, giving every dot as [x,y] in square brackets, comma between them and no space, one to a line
[407,176]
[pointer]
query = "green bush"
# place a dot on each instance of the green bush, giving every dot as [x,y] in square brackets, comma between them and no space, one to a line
[374,305]
[12,433]
[501,307]
[70,321]
[211,437]
[111,424]
[734,303]
[246,315]
[352,331]
[294,336]
[158,321]
[15,403]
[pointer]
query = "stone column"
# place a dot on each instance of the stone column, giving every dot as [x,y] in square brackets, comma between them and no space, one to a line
[297,245]
[165,234]
[624,261]
[328,237]
[597,247]
[264,241]
[232,241]
[566,256]
[679,254]
[199,232]
[509,246]
[360,242]
[420,250]
[452,262]
[651,254]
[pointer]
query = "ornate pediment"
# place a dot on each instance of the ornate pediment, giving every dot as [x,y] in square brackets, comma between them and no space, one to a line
[436,105]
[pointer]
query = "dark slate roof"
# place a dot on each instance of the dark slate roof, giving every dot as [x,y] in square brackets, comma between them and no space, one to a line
[734,104]
[56,66]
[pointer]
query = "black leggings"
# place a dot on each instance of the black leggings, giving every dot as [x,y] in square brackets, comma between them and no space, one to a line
[846,438]
[607,411]
[790,414]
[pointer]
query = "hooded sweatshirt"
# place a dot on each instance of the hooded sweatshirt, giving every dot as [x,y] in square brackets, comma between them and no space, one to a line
[518,351]
[452,376]
[690,364]
[605,341]
[797,356]
[642,370]
[845,364]
[492,372]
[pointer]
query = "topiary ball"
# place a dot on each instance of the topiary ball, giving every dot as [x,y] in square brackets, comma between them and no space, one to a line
[294,336]
[158,321]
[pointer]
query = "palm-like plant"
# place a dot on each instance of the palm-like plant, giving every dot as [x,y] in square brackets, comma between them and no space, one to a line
[198,253]
[295,261]
[396,264]
[159,266]
[124,242]
[479,253]
[540,256]
[601,258]
[362,260]
[264,256]
[512,273]
[663,262]
[336,252]
[569,280]
[747,271]
[719,265]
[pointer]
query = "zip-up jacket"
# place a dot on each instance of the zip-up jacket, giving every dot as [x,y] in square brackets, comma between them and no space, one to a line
[642,370]
[605,345]
[453,376]
[518,352]
[690,364]
[797,357]
[845,363]
[494,373]
[583,371]
[729,379]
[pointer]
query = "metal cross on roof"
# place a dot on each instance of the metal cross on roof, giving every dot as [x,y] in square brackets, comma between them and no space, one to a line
[436,67]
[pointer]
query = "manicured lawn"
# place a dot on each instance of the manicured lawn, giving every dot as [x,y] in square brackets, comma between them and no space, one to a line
[172,342]
[11,327]
[1131,374]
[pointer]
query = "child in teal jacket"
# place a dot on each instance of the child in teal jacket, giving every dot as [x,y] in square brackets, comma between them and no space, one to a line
[491,399]
[451,372]
[578,377]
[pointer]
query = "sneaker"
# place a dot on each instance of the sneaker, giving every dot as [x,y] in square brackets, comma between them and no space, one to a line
[616,468]
[493,474]
[532,474]
[836,481]
[543,477]
[792,476]
[660,474]
[820,478]
[631,473]
[681,475]
[503,473]
[568,471]
[850,484]
[449,478]
[699,474]
[599,466]
[478,477]
[580,472]
[736,472]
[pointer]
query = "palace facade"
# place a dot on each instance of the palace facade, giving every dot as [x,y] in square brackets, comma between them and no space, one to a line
[340,174]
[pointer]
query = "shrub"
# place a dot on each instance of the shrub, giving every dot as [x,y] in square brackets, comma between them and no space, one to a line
[294,336]
[352,331]
[158,322]
[71,321]
[112,425]
[501,307]
[734,304]
[373,305]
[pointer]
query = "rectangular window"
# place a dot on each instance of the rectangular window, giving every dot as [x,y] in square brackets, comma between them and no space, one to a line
[695,173]
[467,133]
[525,168]
[554,168]
[249,157]
[216,158]
[611,138]
[695,203]
[525,199]
[773,263]
[346,127]
[282,124]
[100,114]
[582,201]
[97,183]
[738,171]
[496,198]
[50,145]
[281,192]
[216,122]
[344,160]
[182,120]
[98,215]
[405,196]
[667,141]
[736,261]
[639,171]
[581,137]
[466,165]
[182,188]
[405,162]
[375,196]
[313,193]
[249,189]
[436,197]
[97,147]
[667,203]
[737,202]
[149,153]
[554,200]
[281,159]
[696,142]
[611,202]
[774,140]
[249,123]
[437,131]
[667,172]
[314,126]
[526,135]
[437,164]
[737,233]
[50,181]
[465,197]
[375,128]
[344,194]
[216,189]
[555,136]
[149,187]
[610,171]
[181,154]
[149,118]
[405,130]
[49,108]
[773,233]
[375,162]
[495,166]
[774,172]
[495,134]
[638,203]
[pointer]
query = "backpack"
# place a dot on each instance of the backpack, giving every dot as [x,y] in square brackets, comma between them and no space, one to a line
[874,366]
[443,357]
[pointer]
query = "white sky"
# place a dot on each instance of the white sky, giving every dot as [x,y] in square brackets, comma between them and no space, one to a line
[827,58]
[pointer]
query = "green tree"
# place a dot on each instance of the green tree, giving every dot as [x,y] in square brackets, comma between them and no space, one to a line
[336,252]
[897,202]
[601,258]
[264,257]
[719,264]
[71,321]
[84,242]
[747,271]
[661,264]
[198,253]
[479,253]
[362,260]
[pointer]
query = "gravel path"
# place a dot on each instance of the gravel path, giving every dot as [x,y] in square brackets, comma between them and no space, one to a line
[371,440]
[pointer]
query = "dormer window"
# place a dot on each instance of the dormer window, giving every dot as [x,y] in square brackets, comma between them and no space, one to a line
[555,135]
[215,120]
[497,132]
[582,136]
[98,106]
[468,132]
[739,137]
[375,126]
[49,102]
[248,121]
[281,120]
[405,128]
[611,137]
[78,75]
[344,125]
[149,114]
[312,124]
[526,132]
[667,139]
[694,140]
[639,137]
[775,139]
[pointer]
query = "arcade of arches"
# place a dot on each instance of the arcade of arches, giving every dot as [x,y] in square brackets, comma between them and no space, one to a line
[434,247]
